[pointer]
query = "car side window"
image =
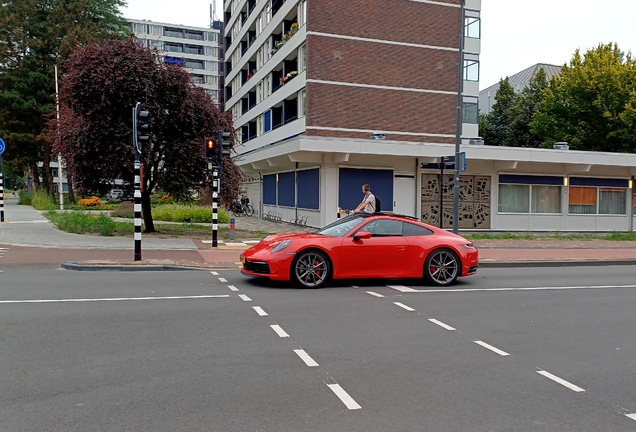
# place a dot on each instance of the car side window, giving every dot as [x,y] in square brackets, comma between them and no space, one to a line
[384,228]
[412,230]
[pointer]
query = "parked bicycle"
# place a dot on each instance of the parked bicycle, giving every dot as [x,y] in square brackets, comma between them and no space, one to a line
[241,207]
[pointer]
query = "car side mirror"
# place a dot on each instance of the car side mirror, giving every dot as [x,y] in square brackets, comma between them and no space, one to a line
[362,235]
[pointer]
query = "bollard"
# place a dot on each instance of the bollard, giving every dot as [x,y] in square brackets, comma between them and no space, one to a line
[232,229]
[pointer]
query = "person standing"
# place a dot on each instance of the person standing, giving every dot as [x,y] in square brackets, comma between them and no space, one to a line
[15,190]
[368,203]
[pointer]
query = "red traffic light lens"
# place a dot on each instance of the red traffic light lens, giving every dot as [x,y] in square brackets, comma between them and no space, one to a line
[210,144]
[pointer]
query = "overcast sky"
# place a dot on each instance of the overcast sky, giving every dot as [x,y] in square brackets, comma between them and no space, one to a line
[515,34]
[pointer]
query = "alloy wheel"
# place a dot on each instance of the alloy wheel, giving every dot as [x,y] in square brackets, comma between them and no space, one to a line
[311,269]
[442,267]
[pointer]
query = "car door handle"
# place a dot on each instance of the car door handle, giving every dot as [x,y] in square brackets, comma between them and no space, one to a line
[401,248]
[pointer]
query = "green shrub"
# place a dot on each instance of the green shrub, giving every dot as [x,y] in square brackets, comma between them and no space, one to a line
[176,213]
[24,200]
[187,213]
[41,200]
[81,223]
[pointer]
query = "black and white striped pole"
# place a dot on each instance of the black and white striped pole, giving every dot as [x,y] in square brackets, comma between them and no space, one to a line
[137,209]
[140,128]
[1,192]
[215,208]
[2,148]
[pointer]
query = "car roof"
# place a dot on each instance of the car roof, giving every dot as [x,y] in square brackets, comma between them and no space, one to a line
[382,213]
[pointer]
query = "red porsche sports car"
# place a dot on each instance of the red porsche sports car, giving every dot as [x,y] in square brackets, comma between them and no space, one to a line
[363,245]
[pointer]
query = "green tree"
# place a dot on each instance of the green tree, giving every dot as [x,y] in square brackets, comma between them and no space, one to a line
[35,36]
[518,133]
[494,125]
[103,83]
[591,104]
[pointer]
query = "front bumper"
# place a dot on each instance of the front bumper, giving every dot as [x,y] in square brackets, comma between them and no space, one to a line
[267,265]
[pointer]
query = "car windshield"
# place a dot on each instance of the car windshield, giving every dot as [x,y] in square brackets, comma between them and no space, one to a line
[341,227]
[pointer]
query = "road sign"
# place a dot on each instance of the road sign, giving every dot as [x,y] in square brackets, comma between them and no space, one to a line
[450,161]
[2,146]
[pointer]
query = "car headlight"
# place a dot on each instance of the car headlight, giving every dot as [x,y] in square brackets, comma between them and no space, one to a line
[469,246]
[282,245]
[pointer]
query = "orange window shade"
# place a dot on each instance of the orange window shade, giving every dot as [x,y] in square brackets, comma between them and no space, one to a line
[580,195]
[634,200]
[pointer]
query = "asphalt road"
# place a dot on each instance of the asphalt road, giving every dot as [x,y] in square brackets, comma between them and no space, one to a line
[523,349]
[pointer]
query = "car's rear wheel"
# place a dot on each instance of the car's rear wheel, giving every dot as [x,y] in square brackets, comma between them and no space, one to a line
[442,267]
[310,269]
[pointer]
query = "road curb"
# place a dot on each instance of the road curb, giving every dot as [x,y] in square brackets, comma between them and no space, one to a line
[573,263]
[117,267]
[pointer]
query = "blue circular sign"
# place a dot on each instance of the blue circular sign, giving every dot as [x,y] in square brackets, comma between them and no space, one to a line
[2,146]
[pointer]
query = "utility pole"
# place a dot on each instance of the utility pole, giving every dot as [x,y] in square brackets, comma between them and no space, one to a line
[140,129]
[458,118]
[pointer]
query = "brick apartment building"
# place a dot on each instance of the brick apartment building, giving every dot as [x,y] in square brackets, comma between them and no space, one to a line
[329,94]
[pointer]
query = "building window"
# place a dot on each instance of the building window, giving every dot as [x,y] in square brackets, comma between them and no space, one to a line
[211,37]
[210,65]
[601,196]
[612,201]
[302,13]
[529,194]
[193,49]
[195,35]
[302,103]
[471,70]
[213,93]
[172,47]
[172,32]
[195,64]
[472,27]
[212,51]
[545,199]
[303,58]
[471,113]
[198,79]
[156,44]
[514,198]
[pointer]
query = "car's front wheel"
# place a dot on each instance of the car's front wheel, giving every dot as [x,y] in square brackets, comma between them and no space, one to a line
[442,267]
[310,269]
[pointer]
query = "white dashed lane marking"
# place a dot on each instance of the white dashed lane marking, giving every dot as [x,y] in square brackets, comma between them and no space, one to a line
[375,294]
[403,306]
[232,288]
[259,311]
[214,273]
[344,397]
[631,416]
[222,280]
[244,297]
[441,324]
[491,348]
[279,331]
[306,358]
[560,381]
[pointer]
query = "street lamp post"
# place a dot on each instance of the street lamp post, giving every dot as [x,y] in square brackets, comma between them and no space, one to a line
[458,120]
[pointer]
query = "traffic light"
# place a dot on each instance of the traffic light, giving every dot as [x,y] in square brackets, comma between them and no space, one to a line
[142,126]
[224,146]
[211,150]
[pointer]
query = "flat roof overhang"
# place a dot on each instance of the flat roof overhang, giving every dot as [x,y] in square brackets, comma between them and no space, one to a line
[312,150]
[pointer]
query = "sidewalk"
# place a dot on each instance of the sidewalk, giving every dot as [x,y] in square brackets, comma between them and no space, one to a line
[32,239]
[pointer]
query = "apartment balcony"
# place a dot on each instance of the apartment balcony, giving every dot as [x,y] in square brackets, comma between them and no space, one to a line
[287,51]
[287,91]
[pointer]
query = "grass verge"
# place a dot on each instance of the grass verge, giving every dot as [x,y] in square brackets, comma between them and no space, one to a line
[176,213]
[84,223]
